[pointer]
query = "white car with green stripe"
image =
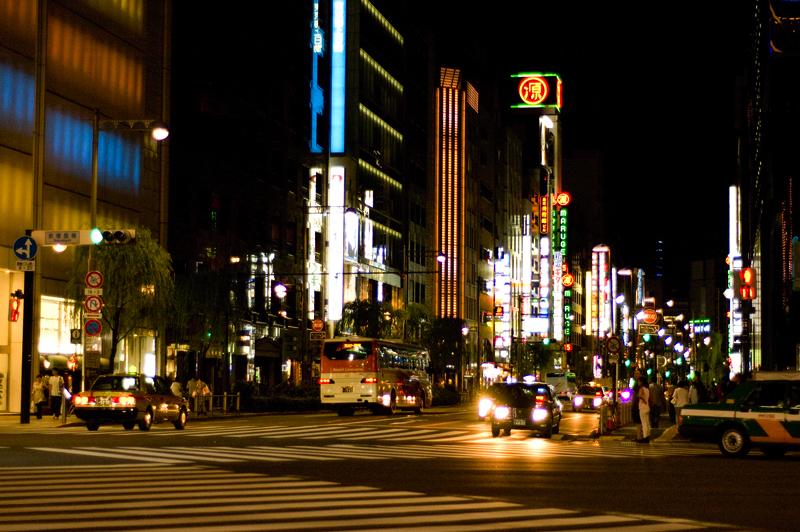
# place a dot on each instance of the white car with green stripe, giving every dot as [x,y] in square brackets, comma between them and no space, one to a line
[763,412]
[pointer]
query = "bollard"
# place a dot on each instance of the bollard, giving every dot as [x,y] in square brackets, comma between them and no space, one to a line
[601,420]
[224,403]
[238,397]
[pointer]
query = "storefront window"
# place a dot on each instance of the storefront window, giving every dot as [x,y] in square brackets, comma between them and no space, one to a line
[54,327]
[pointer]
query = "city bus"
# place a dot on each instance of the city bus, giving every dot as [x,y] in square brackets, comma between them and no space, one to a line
[376,374]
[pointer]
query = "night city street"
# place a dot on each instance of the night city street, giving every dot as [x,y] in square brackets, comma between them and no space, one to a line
[279,472]
[399,265]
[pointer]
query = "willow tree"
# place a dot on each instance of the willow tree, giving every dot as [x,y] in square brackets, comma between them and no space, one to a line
[137,285]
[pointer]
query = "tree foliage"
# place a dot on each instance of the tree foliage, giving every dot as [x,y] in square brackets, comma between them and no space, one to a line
[203,310]
[367,318]
[445,343]
[137,287]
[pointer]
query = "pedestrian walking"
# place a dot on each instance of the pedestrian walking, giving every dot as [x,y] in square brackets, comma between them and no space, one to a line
[668,393]
[56,386]
[657,402]
[643,397]
[38,397]
[697,390]
[680,398]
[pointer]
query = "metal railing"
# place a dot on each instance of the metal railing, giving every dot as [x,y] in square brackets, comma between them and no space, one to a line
[222,404]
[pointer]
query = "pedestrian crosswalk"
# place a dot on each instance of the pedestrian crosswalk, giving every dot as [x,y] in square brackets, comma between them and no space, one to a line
[495,450]
[209,499]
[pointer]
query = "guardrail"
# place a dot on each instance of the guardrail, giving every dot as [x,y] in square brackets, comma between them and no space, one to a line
[209,404]
[613,417]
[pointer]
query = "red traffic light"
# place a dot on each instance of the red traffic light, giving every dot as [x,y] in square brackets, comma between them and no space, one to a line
[747,284]
[13,308]
[567,347]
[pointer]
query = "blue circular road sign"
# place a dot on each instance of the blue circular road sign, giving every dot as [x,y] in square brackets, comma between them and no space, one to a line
[25,248]
[93,327]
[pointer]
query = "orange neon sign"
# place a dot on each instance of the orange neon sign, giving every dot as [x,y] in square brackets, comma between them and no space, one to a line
[533,90]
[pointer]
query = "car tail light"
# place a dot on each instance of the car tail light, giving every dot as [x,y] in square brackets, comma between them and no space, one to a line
[484,406]
[326,380]
[125,400]
[79,400]
[598,394]
[369,380]
[502,412]
[539,400]
[539,414]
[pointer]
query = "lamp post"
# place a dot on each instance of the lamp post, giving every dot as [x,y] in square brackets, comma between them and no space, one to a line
[157,130]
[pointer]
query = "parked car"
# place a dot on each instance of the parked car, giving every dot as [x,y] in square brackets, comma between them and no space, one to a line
[528,406]
[590,397]
[763,412]
[130,400]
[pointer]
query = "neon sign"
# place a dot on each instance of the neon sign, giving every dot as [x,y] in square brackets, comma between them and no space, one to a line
[533,90]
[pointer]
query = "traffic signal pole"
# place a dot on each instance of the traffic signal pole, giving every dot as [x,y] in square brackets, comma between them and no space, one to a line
[27,347]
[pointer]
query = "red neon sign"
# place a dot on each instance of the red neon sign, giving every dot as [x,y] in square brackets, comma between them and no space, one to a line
[563,199]
[567,279]
[533,90]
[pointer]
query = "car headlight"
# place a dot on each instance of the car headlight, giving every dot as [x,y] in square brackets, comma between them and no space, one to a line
[484,406]
[597,401]
[502,412]
[578,400]
[539,414]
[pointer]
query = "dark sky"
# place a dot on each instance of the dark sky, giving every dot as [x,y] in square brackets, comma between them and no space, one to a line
[650,88]
[649,97]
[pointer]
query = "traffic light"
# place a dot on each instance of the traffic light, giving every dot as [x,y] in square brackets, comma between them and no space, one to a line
[747,284]
[118,236]
[13,306]
[646,337]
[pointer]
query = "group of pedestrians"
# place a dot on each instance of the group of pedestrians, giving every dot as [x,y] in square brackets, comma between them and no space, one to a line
[47,389]
[652,400]
[197,391]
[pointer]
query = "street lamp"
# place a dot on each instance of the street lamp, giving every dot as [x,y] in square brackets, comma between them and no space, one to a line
[157,130]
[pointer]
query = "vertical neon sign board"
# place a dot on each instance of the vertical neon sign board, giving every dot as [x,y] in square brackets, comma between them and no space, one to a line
[317,97]
[338,60]
[335,234]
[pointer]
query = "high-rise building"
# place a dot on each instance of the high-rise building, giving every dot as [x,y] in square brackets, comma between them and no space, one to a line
[63,64]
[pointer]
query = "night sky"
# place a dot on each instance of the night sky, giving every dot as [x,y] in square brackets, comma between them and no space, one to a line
[649,101]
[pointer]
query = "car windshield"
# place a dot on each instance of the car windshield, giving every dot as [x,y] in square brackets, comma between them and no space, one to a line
[589,390]
[109,383]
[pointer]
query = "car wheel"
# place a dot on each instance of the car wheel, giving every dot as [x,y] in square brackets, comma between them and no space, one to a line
[128,426]
[180,423]
[507,431]
[147,421]
[92,426]
[774,452]
[734,442]
[345,411]
[421,408]
[557,427]
[495,431]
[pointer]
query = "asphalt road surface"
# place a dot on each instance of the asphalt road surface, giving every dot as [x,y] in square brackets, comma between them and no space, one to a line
[439,471]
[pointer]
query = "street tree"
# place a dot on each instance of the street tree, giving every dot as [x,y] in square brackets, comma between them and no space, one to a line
[366,318]
[445,343]
[137,287]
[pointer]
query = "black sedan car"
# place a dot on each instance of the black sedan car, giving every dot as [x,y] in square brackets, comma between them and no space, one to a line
[528,406]
[130,400]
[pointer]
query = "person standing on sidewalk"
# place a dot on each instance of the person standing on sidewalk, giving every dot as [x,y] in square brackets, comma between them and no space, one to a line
[680,398]
[56,385]
[38,397]
[643,396]
[656,400]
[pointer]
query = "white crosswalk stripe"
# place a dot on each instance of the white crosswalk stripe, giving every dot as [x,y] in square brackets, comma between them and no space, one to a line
[230,502]
[497,449]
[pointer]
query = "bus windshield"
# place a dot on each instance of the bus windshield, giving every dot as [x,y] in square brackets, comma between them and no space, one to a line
[347,350]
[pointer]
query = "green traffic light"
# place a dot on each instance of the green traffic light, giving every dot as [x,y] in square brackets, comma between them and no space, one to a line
[646,337]
[667,373]
[546,341]
[96,235]
[649,371]
[628,363]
